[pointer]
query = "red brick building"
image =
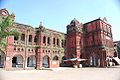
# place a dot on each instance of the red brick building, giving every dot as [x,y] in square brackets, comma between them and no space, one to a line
[41,47]
[51,47]
[34,48]
[92,41]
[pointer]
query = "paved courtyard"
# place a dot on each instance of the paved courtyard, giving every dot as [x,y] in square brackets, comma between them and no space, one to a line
[63,74]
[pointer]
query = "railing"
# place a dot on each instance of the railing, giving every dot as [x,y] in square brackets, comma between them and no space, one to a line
[19,42]
[17,65]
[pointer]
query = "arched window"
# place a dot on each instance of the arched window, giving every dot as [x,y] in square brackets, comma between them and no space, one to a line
[15,38]
[22,49]
[35,39]
[23,37]
[62,43]
[44,39]
[30,38]
[48,40]
[53,40]
[18,49]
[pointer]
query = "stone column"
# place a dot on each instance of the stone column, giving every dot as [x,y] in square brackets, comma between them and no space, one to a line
[25,62]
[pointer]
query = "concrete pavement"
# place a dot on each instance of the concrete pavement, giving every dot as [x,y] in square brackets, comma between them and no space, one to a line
[63,74]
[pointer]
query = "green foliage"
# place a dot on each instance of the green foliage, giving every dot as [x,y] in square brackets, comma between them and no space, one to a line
[2,45]
[6,29]
[14,33]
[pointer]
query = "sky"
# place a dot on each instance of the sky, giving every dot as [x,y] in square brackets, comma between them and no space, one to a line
[57,14]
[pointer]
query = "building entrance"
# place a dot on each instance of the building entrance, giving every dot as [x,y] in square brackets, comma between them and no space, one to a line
[17,61]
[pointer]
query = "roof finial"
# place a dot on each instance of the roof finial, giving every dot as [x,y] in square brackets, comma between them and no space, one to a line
[40,23]
[105,20]
[74,18]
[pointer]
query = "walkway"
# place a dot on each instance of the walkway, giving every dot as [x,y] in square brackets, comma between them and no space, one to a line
[63,74]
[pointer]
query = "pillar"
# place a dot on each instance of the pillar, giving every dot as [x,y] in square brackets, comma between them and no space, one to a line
[25,62]
[9,52]
[8,62]
[38,59]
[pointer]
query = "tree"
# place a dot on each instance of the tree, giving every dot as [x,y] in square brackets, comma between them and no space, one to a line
[6,27]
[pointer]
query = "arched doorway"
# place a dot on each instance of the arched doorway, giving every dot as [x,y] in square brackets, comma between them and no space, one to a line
[17,61]
[55,58]
[45,61]
[2,59]
[31,61]
[94,60]
[55,61]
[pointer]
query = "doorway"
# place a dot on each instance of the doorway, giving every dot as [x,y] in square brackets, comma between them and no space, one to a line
[17,61]
[45,61]
[14,61]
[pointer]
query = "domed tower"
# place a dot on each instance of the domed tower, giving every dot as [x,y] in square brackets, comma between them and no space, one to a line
[74,39]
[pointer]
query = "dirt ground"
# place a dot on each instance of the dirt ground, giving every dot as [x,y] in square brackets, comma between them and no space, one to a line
[62,74]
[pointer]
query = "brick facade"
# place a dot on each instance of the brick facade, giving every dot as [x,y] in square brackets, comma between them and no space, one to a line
[41,47]
[93,42]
